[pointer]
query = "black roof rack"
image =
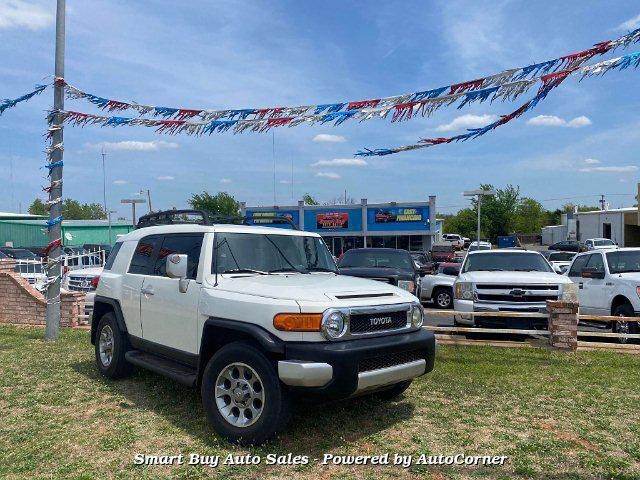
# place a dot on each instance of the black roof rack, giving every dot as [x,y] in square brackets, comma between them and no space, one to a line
[201,217]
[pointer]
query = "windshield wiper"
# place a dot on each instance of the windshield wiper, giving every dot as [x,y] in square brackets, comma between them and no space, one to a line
[279,270]
[321,269]
[246,270]
[527,270]
[488,270]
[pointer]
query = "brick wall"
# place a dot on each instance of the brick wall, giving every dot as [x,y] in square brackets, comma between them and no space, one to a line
[21,303]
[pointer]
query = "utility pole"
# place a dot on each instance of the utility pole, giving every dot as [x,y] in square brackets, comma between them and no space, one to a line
[104,181]
[55,228]
[602,202]
[133,202]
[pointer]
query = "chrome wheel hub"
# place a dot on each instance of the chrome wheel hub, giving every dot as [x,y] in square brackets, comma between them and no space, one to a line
[105,346]
[623,328]
[443,300]
[239,394]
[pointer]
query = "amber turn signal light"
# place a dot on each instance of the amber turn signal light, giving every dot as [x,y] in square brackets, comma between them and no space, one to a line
[297,322]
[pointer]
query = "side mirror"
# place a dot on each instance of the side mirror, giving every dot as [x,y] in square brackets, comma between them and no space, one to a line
[592,273]
[177,268]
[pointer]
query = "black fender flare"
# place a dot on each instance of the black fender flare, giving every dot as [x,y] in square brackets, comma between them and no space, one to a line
[214,330]
[111,305]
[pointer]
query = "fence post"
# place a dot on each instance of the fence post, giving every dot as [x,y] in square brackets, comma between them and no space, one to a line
[563,325]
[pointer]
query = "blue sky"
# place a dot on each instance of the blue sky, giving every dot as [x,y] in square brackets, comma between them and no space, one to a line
[206,54]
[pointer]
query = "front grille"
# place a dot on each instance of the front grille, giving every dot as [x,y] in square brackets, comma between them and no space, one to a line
[377,322]
[493,286]
[516,299]
[389,360]
[80,284]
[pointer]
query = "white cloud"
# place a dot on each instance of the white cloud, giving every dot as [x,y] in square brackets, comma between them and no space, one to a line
[327,138]
[120,182]
[341,162]
[612,169]
[591,161]
[467,121]
[20,13]
[225,180]
[165,177]
[328,175]
[630,24]
[285,182]
[555,121]
[133,145]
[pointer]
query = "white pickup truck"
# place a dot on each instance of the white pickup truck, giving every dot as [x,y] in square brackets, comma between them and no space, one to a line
[506,280]
[454,239]
[608,285]
[253,316]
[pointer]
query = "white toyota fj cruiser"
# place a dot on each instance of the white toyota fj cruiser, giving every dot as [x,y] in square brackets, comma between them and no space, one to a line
[253,315]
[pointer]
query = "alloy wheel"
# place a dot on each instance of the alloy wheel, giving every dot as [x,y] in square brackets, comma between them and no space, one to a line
[239,394]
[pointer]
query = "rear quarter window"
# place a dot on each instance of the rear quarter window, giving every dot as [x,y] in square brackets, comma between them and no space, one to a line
[112,256]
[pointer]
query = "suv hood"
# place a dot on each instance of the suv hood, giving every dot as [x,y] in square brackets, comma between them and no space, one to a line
[531,278]
[313,287]
[373,272]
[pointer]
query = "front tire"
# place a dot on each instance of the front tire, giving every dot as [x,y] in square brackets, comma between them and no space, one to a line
[242,395]
[111,346]
[620,326]
[443,298]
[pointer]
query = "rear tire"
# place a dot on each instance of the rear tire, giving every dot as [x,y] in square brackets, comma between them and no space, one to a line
[395,391]
[624,310]
[242,395]
[111,346]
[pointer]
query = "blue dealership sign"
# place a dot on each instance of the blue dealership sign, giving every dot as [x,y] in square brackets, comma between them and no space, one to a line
[261,218]
[385,219]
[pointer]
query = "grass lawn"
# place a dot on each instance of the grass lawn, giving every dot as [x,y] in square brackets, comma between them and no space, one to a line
[555,415]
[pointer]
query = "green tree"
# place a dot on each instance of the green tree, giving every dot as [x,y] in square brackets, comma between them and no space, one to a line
[309,200]
[498,212]
[38,207]
[464,222]
[222,203]
[530,216]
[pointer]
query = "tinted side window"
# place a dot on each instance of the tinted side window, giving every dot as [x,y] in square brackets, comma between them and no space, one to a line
[143,258]
[596,262]
[578,265]
[112,256]
[189,245]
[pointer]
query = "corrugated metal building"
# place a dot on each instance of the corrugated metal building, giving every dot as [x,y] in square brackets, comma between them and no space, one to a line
[33,233]
[620,225]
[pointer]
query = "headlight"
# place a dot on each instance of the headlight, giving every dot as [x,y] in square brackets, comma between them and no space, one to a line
[334,324]
[464,291]
[417,316]
[638,291]
[407,285]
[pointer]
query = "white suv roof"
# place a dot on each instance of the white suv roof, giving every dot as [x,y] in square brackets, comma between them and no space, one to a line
[193,228]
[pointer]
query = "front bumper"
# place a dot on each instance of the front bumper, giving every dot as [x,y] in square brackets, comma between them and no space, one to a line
[334,370]
[522,323]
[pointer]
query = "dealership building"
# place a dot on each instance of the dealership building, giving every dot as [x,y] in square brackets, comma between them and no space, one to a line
[410,226]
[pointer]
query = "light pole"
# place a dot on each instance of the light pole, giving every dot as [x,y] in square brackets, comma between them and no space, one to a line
[479,194]
[52,330]
[133,202]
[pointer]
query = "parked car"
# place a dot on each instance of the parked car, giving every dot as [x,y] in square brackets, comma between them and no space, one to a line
[599,244]
[251,316]
[27,265]
[506,280]
[443,252]
[438,288]
[388,265]
[384,216]
[569,246]
[466,242]
[608,285]
[425,263]
[83,280]
[560,261]
[454,239]
[479,246]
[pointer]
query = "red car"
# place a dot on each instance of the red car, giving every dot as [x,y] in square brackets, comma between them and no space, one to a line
[443,253]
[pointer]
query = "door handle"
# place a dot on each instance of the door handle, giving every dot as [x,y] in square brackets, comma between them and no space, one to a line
[147,290]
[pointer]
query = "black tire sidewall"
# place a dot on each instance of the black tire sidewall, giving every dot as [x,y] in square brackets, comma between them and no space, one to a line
[276,409]
[119,365]
[627,311]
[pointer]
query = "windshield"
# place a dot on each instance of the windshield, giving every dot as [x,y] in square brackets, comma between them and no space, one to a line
[481,247]
[561,257]
[267,253]
[508,262]
[376,259]
[623,262]
[603,243]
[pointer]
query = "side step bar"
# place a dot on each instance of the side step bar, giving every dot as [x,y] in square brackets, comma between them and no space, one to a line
[170,369]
